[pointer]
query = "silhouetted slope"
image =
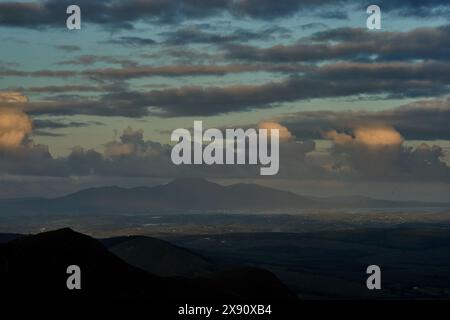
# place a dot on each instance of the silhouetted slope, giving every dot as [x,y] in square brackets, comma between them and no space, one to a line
[6,237]
[159,257]
[35,267]
[244,282]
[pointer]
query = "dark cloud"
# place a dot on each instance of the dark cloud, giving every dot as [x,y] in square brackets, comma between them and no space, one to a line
[353,44]
[68,88]
[104,106]
[68,48]
[399,80]
[119,14]
[187,70]
[377,153]
[131,156]
[131,70]
[421,120]
[431,8]
[34,160]
[195,34]
[38,74]
[132,41]
[402,80]
[45,133]
[122,14]
[62,124]
[87,60]
[313,25]
[185,55]
[335,14]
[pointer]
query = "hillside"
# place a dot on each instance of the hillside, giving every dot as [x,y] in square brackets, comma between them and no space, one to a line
[105,275]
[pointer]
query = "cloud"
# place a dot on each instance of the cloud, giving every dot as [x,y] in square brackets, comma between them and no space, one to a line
[71,88]
[87,60]
[367,153]
[353,44]
[133,72]
[12,97]
[132,144]
[68,47]
[432,8]
[15,126]
[343,79]
[368,136]
[130,69]
[38,74]
[194,34]
[370,146]
[399,80]
[378,153]
[336,80]
[284,133]
[124,14]
[334,14]
[132,41]
[129,156]
[61,124]
[420,120]
[313,25]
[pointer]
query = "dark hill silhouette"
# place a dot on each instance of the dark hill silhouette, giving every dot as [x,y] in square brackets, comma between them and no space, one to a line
[6,237]
[160,257]
[35,267]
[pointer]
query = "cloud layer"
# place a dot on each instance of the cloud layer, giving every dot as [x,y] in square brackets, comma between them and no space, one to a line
[123,14]
[420,120]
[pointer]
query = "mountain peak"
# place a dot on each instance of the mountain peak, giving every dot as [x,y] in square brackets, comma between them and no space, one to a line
[56,239]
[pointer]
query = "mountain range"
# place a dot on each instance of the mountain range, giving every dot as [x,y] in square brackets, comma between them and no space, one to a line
[184,195]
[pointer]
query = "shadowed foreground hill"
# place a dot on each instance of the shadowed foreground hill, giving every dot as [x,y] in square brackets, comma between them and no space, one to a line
[160,257]
[35,267]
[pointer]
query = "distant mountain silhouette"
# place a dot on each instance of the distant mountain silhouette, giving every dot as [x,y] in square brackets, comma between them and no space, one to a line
[35,267]
[183,195]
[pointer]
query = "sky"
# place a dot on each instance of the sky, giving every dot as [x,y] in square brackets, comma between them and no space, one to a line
[366,111]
